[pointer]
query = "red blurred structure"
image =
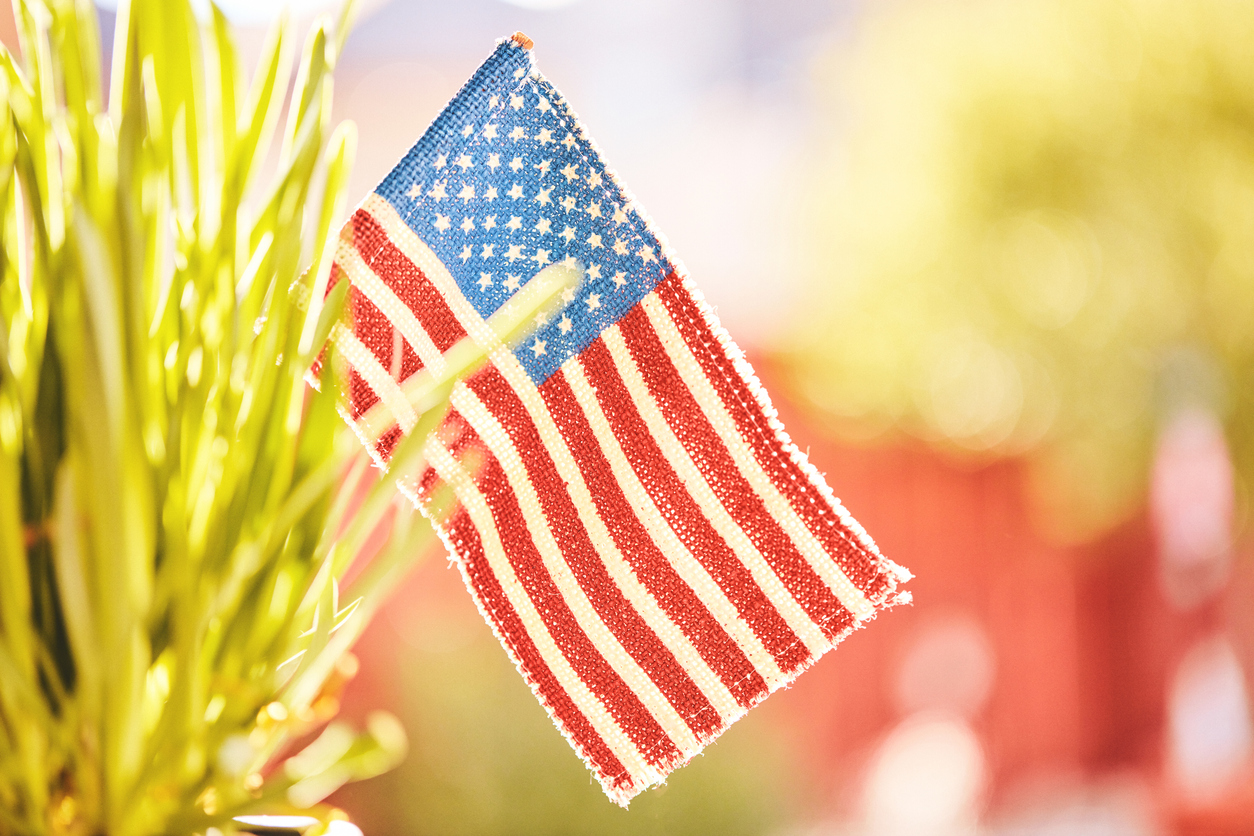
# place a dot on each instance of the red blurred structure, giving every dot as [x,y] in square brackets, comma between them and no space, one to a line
[1084,644]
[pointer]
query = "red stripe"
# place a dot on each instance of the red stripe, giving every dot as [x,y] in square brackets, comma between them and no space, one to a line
[708,452]
[428,482]
[406,280]
[388,441]
[368,324]
[576,546]
[652,568]
[854,559]
[684,515]
[513,634]
[587,661]
[376,332]
[360,396]
[452,434]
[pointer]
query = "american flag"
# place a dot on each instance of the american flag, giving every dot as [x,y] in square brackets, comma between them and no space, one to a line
[651,550]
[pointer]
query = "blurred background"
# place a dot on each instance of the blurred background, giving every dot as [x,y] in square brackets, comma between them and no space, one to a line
[995,263]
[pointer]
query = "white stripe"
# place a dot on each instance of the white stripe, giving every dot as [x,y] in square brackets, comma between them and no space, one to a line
[364,278]
[502,446]
[585,700]
[417,251]
[378,419]
[372,425]
[372,371]
[620,570]
[705,497]
[664,537]
[725,425]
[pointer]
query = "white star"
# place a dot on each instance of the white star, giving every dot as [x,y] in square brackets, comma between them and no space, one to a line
[490,194]
[542,318]
[518,133]
[494,160]
[620,278]
[594,272]
[594,301]
[564,324]
[571,171]
[415,190]
[594,241]
[594,209]
[515,102]
[647,254]
[468,224]
[542,167]
[468,130]
[485,281]
[515,165]
[568,202]
[437,192]
[440,161]
[619,215]
[489,222]
[487,251]
[594,178]
[620,247]
[568,295]
[542,226]
[568,140]
[441,223]
[542,105]
[543,197]
[489,132]
[493,101]
[465,162]
[467,192]
[568,233]
[515,191]
[541,257]
[465,253]
[511,282]
[538,346]
[514,253]
[570,262]
[545,136]
[515,223]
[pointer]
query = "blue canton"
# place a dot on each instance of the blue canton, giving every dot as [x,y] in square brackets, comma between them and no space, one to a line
[506,182]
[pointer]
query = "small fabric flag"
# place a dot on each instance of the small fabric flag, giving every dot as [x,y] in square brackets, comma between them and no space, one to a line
[651,550]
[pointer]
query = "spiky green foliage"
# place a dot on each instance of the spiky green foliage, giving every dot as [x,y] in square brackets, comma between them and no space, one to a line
[172,521]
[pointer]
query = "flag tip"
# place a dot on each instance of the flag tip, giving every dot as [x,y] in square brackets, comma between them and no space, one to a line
[522,40]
